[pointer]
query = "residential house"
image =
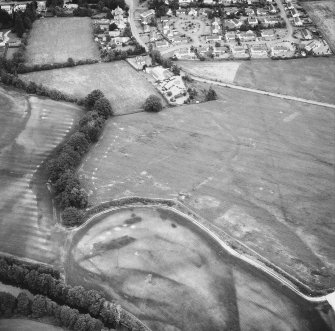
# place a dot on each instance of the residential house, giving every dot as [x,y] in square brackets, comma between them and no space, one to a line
[249,12]
[162,43]
[118,11]
[146,28]
[184,2]
[179,40]
[306,34]
[268,34]
[193,12]
[208,2]
[180,12]
[70,6]
[104,27]
[153,36]
[115,33]
[169,12]
[272,9]
[185,54]
[41,6]
[231,11]
[14,43]
[290,5]
[235,23]
[216,25]
[203,12]
[279,50]
[311,45]
[119,40]
[8,8]
[297,21]
[147,15]
[238,51]
[294,13]
[225,2]
[246,36]
[261,12]
[165,19]
[258,50]
[252,21]
[271,20]
[221,51]
[213,39]
[253,2]
[230,36]
[1,37]
[140,61]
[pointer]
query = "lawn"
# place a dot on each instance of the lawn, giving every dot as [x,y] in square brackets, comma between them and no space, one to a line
[56,39]
[126,88]
[323,15]
[312,78]
[260,168]
[164,271]
[30,128]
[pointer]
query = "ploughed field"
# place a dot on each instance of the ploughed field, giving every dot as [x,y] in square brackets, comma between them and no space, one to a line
[164,270]
[261,169]
[26,325]
[54,40]
[311,78]
[30,128]
[125,88]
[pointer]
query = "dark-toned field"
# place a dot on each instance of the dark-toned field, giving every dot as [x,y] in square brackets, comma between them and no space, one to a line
[262,169]
[172,277]
[54,40]
[26,325]
[30,128]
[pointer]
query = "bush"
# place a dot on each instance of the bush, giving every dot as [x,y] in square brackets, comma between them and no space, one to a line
[103,107]
[211,95]
[72,216]
[153,104]
[91,98]
[7,304]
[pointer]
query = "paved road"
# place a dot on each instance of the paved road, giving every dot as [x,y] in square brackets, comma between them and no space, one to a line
[247,89]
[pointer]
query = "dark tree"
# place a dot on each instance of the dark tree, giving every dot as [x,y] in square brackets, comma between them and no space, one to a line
[18,24]
[72,216]
[211,95]
[153,104]
[5,19]
[39,307]
[7,304]
[23,304]
[91,98]
[79,143]
[103,107]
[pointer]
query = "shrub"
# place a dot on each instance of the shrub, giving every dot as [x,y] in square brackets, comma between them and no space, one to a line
[92,97]
[23,304]
[211,95]
[153,104]
[7,304]
[72,216]
[103,107]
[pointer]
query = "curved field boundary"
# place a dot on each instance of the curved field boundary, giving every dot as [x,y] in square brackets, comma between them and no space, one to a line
[230,246]
[252,90]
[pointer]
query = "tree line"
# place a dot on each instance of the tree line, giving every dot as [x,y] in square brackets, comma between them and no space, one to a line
[89,302]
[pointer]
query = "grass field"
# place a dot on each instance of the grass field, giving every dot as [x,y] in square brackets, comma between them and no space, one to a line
[312,78]
[323,15]
[56,39]
[123,86]
[262,169]
[30,128]
[173,278]
[26,325]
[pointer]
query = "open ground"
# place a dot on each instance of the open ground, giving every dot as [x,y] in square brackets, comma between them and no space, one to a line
[323,14]
[311,78]
[30,128]
[56,39]
[163,270]
[262,173]
[126,88]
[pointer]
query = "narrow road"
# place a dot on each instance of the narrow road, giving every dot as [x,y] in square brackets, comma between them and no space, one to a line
[133,27]
[271,94]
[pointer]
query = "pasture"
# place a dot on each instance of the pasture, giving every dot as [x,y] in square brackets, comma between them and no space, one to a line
[54,40]
[126,88]
[323,15]
[260,168]
[26,325]
[164,271]
[30,128]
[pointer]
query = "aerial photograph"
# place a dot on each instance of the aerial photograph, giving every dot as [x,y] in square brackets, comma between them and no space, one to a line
[167,165]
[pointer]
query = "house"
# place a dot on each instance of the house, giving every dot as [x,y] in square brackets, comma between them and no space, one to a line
[298,21]
[203,12]
[268,34]
[153,36]
[115,33]
[249,12]
[294,13]
[311,45]
[290,5]
[306,34]
[41,5]
[169,12]
[230,36]
[279,50]
[184,2]
[165,19]
[1,37]
[14,43]
[147,15]
[208,2]
[119,40]
[261,12]
[235,23]
[216,25]
[225,2]
[193,12]
[70,6]
[246,36]
[163,43]
[220,51]
[146,28]
[259,50]
[7,8]
[252,21]
[185,54]
[253,2]
[179,40]
[180,12]
[213,38]
[104,27]
[140,61]
[117,11]
[238,50]
[272,9]
[231,11]
[271,20]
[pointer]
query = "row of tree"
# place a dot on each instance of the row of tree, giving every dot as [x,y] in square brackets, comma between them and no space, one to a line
[69,194]
[85,301]
[41,306]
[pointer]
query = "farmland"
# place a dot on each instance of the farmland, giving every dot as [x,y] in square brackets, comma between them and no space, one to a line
[56,39]
[263,174]
[27,325]
[30,128]
[126,88]
[323,14]
[174,278]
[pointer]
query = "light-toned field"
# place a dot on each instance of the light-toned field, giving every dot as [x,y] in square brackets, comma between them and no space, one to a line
[54,40]
[172,278]
[26,325]
[260,168]
[323,15]
[30,128]
[126,88]
[222,71]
